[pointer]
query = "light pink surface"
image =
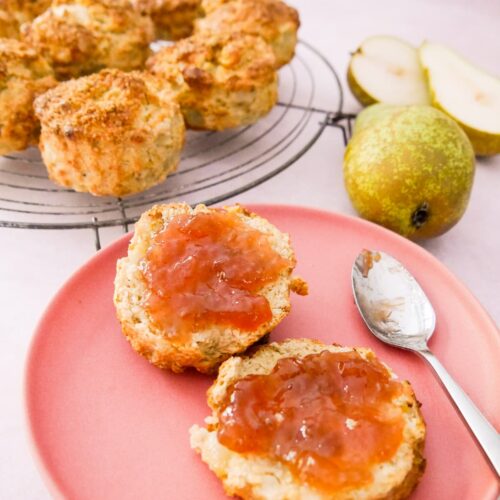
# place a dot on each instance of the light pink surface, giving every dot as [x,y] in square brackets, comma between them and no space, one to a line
[35,264]
[109,425]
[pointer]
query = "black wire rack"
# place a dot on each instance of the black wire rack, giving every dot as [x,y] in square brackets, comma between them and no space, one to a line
[214,165]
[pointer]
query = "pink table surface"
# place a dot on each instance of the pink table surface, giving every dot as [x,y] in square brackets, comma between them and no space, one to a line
[36,263]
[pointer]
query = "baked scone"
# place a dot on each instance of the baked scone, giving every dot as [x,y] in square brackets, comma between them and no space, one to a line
[9,24]
[79,37]
[29,9]
[173,19]
[300,420]
[10,18]
[15,12]
[23,76]
[110,133]
[221,81]
[200,284]
[275,21]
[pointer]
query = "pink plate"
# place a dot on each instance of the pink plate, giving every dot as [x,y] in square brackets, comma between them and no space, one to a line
[107,425]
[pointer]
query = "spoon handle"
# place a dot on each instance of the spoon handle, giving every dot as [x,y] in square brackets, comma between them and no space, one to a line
[483,431]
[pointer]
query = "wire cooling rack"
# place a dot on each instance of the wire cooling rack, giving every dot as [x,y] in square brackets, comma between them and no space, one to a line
[214,165]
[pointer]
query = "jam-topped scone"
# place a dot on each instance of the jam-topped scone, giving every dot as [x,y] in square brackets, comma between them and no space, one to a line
[220,80]
[111,133]
[303,420]
[173,19]
[79,37]
[275,21]
[199,285]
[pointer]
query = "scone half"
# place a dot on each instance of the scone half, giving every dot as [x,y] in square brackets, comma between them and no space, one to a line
[260,476]
[203,349]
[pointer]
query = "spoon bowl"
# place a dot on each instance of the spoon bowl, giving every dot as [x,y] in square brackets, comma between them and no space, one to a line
[391,302]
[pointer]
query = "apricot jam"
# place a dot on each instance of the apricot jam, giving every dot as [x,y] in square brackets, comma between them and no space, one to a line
[326,416]
[207,268]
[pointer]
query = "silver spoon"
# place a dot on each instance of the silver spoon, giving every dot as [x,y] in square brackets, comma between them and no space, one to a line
[397,311]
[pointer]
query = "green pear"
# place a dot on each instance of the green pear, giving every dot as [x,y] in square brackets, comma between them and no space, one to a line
[411,171]
[387,69]
[466,93]
[372,114]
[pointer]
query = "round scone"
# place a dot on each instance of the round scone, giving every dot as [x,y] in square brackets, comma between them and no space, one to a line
[275,21]
[199,285]
[79,37]
[23,75]
[111,133]
[173,19]
[221,80]
[303,420]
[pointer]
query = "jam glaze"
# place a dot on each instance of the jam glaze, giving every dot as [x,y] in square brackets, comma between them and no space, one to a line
[327,416]
[368,259]
[205,269]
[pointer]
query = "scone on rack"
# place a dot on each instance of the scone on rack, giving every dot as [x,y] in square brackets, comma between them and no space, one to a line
[220,80]
[23,76]
[173,19]
[110,133]
[303,420]
[78,37]
[200,284]
[13,13]
[275,21]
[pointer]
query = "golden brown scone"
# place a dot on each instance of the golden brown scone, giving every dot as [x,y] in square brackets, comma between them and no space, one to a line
[15,12]
[208,6]
[275,21]
[9,26]
[173,19]
[32,8]
[110,133]
[265,477]
[221,81]
[23,76]
[79,37]
[203,348]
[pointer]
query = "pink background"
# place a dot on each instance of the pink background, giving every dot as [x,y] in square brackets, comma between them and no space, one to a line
[36,263]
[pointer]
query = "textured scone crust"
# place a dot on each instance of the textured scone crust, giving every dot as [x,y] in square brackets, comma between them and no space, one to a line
[221,81]
[22,11]
[23,76]
[208,348]
[9,26]
[79,37]
[173,19]
[275,21]
[256,477]
[111,133]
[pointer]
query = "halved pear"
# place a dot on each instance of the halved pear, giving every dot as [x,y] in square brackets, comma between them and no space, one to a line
[387,69]
[466,93]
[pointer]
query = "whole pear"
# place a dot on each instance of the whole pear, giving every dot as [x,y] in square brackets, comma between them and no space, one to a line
[373,114]
[411,171]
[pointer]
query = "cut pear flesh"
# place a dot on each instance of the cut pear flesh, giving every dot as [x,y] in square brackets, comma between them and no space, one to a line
[387,69]
[468,94]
